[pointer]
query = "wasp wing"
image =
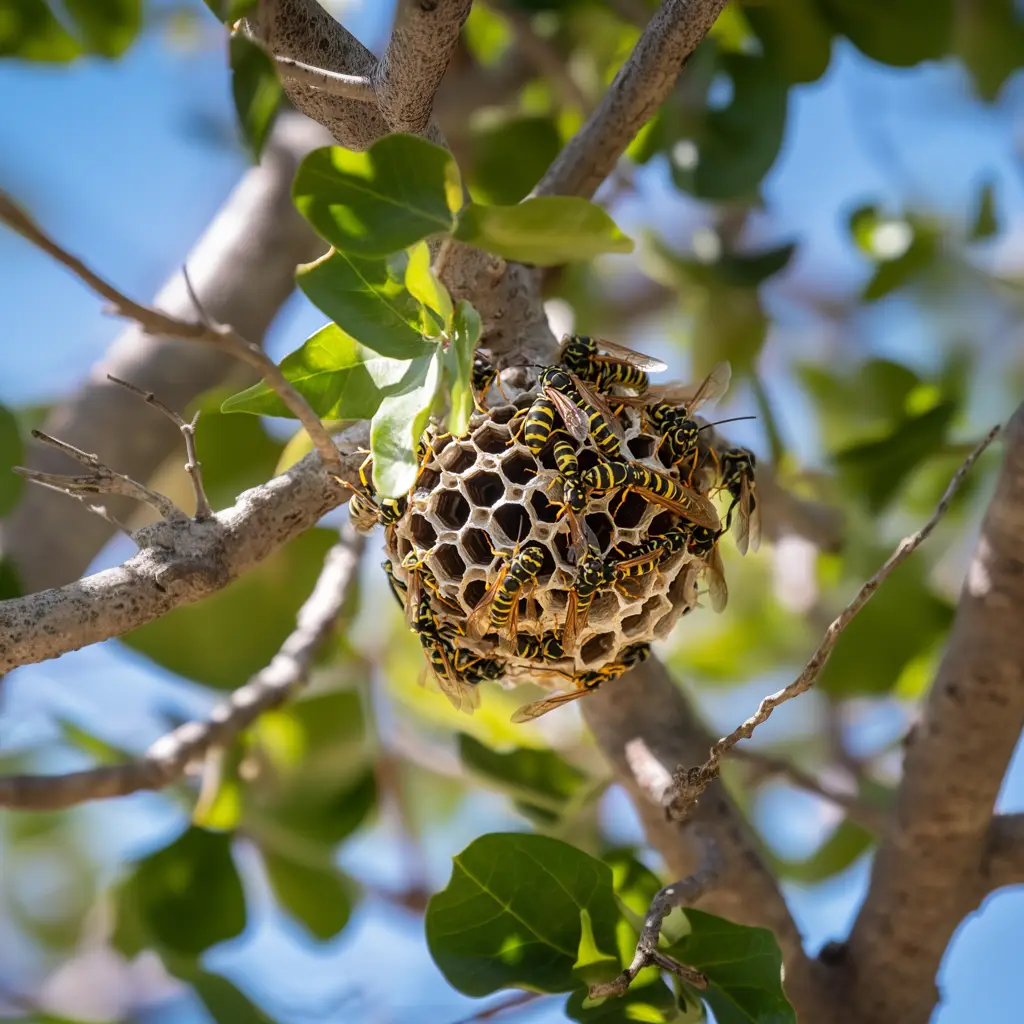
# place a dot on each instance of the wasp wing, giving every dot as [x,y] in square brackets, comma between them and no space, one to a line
[628,355]
[528,712]
[572,415]
[598,401]
[690,505]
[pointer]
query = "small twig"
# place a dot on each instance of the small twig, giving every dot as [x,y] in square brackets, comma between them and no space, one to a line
[511,1003]
[870,817]
[169,758]
[101,479]
[679,894]
[688,784]
[441,260]
[188,431]
[154,322]
[334,83]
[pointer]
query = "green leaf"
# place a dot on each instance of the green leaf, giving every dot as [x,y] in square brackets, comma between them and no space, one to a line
[185,898]
[902,247]
[398,425]
[510,914]
[399,191]
[256,89]
[743,966]
[897,32]
[235,632]
[985,223]
[10,584]
[540,777]
[544,231]
[795,38]
[107,27]
[425,286]
[341,379]
[316,897]
[11,455]
[593,965]
[511,155]
[223,1000]
[368,301]
[653,1003]
[229,11]
[989,38]
[458,360]
[29,30]
[846,844]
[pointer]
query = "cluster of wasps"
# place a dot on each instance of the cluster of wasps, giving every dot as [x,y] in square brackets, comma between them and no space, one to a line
[579,401]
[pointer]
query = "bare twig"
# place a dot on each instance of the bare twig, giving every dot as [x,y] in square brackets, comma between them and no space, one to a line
[640,87]
[683,893]
[690,783]
[188,431]
[205,330]
[349,87]
[512,1002]
[170,757]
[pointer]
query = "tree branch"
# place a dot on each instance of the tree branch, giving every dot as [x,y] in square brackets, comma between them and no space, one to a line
[1004,852]
[688,784]
[179,563]
[642,84]
[244,266]
[349,87]
[924,878]
[170,757]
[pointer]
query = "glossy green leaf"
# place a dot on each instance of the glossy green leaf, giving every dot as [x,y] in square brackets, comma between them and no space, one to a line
[341,379]
[536,776]
[642,1004]
[256,89]
[544,231]
[743,966]
[458,359]
[234,633]
[29,30]
[11,455]
[399,191]
[426,287]
[897,32]
[593,965]
[368,300]
[985,223]
[398,424]
[796,39]
[846,844]
[315,897]
[223,1000]
[107,27]
[510,914]
[186,897]
[989,39]
[510,156]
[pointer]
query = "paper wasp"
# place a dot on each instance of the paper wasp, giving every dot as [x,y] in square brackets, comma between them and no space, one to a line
[499,607]
[581,355]
[738,479]
[484,373]
[585,683]
[459,688]
[543,648]
[592,574]
[365,511]
[672,495]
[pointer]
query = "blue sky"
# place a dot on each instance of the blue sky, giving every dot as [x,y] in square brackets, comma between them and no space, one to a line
[109,158]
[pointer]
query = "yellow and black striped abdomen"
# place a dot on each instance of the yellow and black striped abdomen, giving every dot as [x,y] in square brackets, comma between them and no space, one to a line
[606,476]
[522,570]
[540,422]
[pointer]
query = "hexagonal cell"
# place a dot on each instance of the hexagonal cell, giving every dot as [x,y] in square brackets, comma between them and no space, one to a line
[449,562]
[404,548]
[492,438]
[519,468]
[588,459]
[513,521]
[484,488]
[682,589]
[458,458]
[503,413]
[422,532]
[546,511]
[439,442]
[451,509]
[633,625]
[597,648]
[629,510]
[661,524]
[665,455]
[427,480]
[473,592]
[641,446]
[604,605]
[563,550]
[477,547]
[602,528]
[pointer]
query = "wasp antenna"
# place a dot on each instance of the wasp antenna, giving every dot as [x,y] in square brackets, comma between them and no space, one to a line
[732,419]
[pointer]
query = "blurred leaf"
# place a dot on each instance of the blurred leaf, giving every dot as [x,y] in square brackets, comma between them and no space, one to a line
[729,151]
[901,620]
[989,39]
[796,39]
[458,361]
[186,897]
[224,1002]
[399,191]
[10,584]
[510,156]
[985,223]
[229,11]
[425,286]
[743,966]
[315,897]
[897,32]
[313,813]
[398,424]
[592,965]
[846,844]
[107,27]
[11,455]
[487,35]
[510,915]
[368,300]
[544,231]
[29,30]
[98,749]
[234,633]
[340,379]
[877,470]
[538,776]
[256,89]
[902,247]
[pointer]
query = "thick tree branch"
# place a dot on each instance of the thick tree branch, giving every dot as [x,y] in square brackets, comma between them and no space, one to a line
[642,84]
[349,87]
[179,563]
[924,878]
[1004,852]
[244,267]
[170,757]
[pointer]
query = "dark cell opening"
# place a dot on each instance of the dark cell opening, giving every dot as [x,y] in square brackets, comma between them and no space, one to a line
[557,600]
[452,509]
[641,447]
[665,454]
[598,647]
[427,480]
[404,548]
[563,548]
[450,561]
[422,532]
[661,524]
[588,459]
[547,456]
[513,520]
[484,489]
[519,468]
[477,547]
[682,588]
[546,511]
[503,413]
[634,625]
[629,511]
[474,592]
[458,459]
[601,527]
[491,439]
[604,604]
